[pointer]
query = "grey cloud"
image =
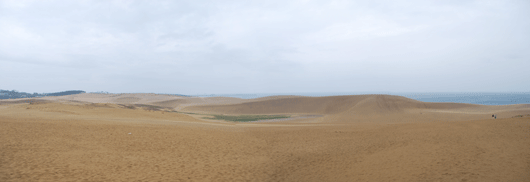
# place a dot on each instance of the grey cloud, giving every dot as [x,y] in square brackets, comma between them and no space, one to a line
[193,47]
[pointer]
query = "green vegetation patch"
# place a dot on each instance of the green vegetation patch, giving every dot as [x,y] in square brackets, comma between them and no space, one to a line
[520,116]
[246,118]
[186,113]
[149,107]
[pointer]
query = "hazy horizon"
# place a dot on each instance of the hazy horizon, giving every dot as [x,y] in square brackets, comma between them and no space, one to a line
[279,93]
[240,47]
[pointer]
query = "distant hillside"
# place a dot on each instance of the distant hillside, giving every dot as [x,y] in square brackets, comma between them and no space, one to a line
[70,92]
[13,94]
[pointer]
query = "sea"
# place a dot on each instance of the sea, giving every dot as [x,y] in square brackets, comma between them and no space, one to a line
[483,98]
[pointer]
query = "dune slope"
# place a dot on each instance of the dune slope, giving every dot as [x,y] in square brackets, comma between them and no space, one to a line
[366,108]
[326,105]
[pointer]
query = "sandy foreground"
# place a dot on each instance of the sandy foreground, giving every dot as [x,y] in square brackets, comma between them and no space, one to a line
[97,137]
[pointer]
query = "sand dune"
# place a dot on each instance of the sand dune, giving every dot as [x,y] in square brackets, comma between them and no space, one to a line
[315,105]
[359,138]
[172,101]
[139,98]
[327,105]
[366,108]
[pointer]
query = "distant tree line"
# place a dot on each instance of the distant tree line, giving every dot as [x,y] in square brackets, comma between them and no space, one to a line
[13,94]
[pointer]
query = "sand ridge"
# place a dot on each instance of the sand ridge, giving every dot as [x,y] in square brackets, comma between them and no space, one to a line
[366,108]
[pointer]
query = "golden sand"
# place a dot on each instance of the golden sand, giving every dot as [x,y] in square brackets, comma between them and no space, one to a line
[358,138]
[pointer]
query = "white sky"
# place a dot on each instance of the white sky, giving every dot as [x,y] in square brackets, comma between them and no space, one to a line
[221,47]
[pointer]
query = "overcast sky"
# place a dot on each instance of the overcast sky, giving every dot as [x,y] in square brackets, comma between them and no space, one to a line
[221,47]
